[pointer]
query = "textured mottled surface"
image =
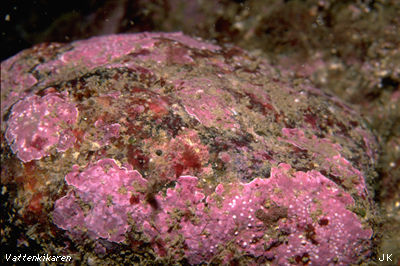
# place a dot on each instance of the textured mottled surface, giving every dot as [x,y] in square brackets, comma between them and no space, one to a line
[174,149]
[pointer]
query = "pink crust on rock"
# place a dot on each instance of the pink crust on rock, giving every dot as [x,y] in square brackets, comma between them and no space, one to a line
[102,50]
[109,190]
[307,209]
[16,83]
[334,161]
[204,105]
[288,216]
[39,123]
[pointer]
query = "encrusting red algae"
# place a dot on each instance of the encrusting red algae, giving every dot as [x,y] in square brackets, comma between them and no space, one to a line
[159,147]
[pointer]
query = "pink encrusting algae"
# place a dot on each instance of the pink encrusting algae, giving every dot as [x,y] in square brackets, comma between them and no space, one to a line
[108,189]
[170,149]
[37,124]
[303,212]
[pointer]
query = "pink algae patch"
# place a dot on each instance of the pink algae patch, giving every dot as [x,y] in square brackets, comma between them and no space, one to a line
[242,215]
[334,162]
[109,190]
[205,107]
[98,51]
[279,218]
[102,50]
[38,123]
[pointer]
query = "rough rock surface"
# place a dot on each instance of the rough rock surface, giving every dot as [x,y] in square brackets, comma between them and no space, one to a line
[160,147]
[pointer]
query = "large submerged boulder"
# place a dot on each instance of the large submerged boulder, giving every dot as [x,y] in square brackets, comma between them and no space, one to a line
[159,147]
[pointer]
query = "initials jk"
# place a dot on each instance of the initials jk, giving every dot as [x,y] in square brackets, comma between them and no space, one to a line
[388,257]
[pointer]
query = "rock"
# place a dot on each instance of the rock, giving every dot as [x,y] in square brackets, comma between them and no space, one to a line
[166,148]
